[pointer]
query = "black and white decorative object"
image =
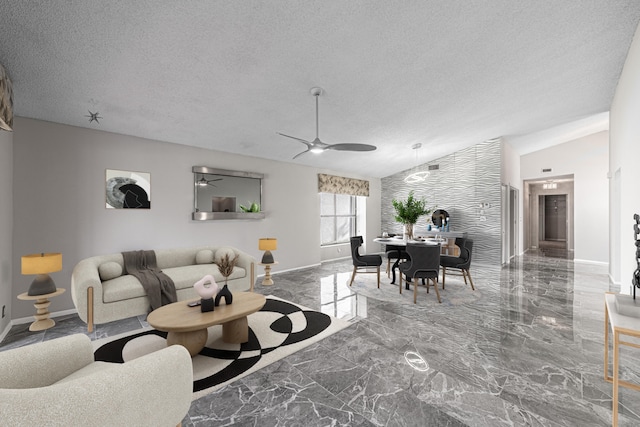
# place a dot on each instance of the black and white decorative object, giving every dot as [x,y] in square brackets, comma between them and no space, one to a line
[226,265]
[6,101]
[226,294]
[206,288]
[636,274]
[128,190]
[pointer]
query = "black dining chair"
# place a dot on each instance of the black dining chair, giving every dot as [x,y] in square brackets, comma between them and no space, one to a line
[394,254]
[361,263]
[461,262]
[423,263]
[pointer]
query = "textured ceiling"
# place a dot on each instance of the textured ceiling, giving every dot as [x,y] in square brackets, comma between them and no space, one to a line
[228,75]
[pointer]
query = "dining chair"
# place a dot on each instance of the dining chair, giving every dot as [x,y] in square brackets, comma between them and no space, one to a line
[423,263]
[361,263]
[394,254]
[461,262]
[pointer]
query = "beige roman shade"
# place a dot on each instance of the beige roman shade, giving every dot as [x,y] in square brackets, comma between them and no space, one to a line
[341,185]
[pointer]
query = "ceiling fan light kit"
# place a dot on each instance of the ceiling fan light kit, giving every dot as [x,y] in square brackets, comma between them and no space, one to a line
[316,146]
[203,182]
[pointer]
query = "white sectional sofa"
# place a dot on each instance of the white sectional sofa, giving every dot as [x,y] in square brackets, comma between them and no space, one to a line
[102,291]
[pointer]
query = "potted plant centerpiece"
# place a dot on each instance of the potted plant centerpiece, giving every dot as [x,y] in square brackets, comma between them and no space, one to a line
[408,212]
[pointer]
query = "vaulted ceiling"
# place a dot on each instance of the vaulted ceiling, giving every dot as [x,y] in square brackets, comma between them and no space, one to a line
[228,75]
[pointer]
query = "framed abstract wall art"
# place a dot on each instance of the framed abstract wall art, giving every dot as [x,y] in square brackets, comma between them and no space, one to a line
[127,190]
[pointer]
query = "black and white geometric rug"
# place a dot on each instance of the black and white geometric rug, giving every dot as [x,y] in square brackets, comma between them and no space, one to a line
[279,329]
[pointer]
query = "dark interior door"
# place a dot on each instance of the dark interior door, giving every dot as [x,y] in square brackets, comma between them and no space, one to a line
[555,217]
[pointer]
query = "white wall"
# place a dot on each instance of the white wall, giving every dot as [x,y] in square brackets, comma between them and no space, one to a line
[59,201]
[6,226]
[587,159]
[509,165]
[510,176]
[624,157]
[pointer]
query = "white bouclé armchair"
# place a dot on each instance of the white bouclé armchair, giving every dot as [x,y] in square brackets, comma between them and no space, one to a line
[58,382]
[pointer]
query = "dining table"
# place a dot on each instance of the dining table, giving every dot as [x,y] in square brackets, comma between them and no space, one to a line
[397,243]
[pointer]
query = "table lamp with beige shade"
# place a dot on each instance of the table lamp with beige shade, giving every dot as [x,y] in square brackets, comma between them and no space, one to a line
[267,244]
[41,265]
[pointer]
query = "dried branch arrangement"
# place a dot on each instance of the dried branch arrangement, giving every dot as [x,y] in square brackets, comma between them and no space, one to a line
[226,265]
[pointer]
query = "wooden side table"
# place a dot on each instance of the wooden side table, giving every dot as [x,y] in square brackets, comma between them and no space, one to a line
[42,313]
[622,315]
[267,281]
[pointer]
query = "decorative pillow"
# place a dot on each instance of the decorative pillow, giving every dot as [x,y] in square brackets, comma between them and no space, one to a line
[221,252]
[109,270]
[205,256]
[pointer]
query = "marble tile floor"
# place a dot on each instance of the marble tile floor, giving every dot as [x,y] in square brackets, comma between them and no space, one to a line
[553,250]
[529,352]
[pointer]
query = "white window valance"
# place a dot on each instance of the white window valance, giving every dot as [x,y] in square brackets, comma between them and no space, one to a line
[342,185]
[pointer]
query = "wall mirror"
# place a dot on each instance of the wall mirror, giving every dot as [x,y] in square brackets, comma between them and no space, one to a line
[222,194]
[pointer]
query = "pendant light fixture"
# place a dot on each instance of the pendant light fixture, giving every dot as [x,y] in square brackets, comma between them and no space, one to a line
[420,176]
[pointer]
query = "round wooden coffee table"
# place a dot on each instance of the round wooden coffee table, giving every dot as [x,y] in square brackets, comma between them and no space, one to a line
[187,326]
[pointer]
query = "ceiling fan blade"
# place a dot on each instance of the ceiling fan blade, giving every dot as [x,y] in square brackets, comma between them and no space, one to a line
[300,154]
[307,143]
[351,147]
[317,146]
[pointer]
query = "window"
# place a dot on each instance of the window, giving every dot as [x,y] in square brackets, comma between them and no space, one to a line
[337,218]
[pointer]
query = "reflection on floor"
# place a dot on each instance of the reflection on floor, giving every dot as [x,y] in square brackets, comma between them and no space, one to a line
[553,249]
[529,352]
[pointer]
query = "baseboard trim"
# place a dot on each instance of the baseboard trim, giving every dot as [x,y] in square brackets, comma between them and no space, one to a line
[613,281]
[588,261]
[289,269]
[30,319]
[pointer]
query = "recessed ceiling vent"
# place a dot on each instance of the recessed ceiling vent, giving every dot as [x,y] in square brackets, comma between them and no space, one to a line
[546,170]
[434,167]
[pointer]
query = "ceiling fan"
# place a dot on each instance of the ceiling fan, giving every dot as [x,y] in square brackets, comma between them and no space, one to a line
[317,146]
[202,182]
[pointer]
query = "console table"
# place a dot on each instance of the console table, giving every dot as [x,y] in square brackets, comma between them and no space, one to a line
[622,314]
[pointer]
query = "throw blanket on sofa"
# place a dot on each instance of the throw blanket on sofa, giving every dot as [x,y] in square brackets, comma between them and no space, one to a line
[143,266]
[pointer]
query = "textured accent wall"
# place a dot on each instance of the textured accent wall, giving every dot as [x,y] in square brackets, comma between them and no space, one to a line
[465,180]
